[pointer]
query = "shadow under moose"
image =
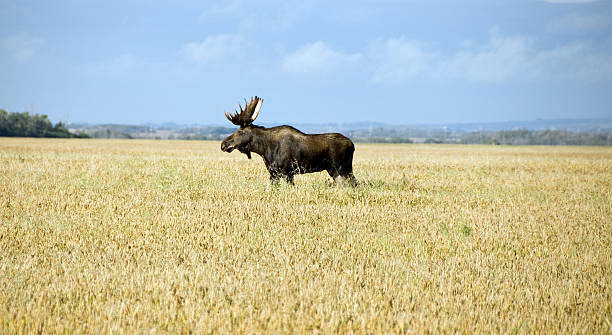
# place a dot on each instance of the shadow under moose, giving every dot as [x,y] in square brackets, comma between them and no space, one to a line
[287,151]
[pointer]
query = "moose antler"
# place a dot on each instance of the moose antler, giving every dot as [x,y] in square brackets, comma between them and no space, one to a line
[246,115]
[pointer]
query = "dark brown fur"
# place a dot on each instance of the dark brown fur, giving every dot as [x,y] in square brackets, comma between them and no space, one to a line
[287,151]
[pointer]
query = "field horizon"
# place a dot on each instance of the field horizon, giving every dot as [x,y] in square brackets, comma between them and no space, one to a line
[145,236]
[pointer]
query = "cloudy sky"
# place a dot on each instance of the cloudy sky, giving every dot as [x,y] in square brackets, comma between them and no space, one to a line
[399,62]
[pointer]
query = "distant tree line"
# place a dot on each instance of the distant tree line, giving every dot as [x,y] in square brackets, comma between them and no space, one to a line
[213,133]
[537,137]
[505,137]
[391,139]
[379,134]
[109,133]
[33,125]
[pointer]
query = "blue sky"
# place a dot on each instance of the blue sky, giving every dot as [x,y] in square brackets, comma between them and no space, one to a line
[398,62]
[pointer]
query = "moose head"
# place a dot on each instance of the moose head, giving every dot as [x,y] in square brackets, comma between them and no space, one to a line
[242,138]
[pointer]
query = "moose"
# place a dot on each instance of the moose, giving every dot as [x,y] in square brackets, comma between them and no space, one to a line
[287,151]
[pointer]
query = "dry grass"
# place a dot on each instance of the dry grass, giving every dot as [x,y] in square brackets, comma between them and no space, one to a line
[167,236]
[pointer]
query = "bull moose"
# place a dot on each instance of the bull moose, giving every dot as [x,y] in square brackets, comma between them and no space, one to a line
[287,151]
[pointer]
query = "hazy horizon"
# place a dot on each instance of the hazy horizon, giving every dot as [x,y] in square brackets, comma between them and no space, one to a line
[394,62]
[574,125]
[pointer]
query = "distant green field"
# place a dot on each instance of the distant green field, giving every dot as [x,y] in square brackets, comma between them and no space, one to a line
[120,236]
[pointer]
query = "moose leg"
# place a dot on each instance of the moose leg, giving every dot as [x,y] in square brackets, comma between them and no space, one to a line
[351,179]
[345,169]
[334,174]
[343,176]
[275,176]
[339,180]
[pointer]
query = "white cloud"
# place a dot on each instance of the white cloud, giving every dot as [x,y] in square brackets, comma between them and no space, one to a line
[318,57]
[216,48]
[22,46]
[500,59]
[578,61]
[398,59]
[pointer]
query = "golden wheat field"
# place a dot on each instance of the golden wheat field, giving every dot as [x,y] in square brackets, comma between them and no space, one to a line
[130,236]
